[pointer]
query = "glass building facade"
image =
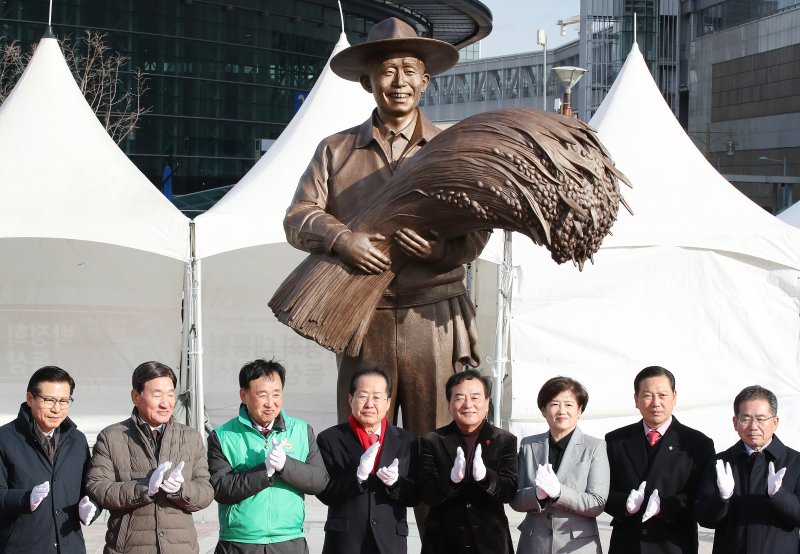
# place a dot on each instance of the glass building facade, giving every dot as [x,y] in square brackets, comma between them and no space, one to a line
[222,76]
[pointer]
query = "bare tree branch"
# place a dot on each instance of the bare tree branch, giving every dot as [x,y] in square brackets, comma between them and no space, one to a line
[115,96]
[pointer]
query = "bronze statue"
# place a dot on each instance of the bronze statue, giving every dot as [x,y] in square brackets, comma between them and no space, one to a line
[423,329]
[388,234]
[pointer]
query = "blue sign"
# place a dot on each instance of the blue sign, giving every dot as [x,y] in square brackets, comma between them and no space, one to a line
[299,97]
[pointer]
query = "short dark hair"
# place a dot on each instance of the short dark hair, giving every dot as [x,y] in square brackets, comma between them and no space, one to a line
[653,371]
[151,370]
[756,392]
[378,372]
[467,375]
[555,386]
[49,374]
[260,368]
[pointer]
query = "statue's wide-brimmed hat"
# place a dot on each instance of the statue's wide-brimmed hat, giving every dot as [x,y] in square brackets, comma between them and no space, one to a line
[392,36]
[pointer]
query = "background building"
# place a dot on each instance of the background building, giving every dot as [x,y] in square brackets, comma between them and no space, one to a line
[742,83]
[226,76]
[728,69]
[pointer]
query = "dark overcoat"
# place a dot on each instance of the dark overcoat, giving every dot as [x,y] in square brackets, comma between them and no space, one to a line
[751,521]
[675,471]
[55,525]
[477,505]
[356,510]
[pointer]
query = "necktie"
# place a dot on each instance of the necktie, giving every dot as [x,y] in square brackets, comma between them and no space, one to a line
[154,432]
[653,437]
[373,438]
[266,433]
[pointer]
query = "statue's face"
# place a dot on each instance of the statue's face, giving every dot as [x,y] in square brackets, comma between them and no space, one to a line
[397,84]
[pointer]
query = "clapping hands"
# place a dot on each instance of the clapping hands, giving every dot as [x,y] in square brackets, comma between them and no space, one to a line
[276,459]
[725,481]
[367,462]
[547,484]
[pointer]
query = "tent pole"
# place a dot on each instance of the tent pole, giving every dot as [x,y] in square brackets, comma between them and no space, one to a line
[184,364]
[504,277]
[196,352]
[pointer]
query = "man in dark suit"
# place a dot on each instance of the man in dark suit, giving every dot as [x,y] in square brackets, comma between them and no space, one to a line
[468,471]
[372,467]
[751,496]
[656,464]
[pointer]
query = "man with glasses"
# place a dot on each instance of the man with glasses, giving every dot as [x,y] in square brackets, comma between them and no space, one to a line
[751,495]
[372,466]
[150,472]
[263,462]
[43,461]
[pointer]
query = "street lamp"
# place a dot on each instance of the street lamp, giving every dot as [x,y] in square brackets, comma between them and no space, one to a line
[569,77]
[730,144]
[766,159]
[786,189]
[541,40]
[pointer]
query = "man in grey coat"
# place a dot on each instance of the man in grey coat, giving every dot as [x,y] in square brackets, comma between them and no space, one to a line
[150,472]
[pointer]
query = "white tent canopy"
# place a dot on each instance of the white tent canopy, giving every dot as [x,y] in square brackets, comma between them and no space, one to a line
[94,255]
[701,281]
[244,256]
[791,215]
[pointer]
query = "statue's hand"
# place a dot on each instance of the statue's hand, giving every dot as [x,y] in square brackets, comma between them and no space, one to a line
[414,246]
[356,250]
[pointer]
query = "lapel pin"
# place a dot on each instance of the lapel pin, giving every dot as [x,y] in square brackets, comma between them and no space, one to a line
[670,448]
[488,441]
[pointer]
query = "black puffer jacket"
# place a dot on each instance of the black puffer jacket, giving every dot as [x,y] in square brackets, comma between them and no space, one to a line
[55,525]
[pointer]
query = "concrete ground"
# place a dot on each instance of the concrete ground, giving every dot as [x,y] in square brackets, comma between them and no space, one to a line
[207,528]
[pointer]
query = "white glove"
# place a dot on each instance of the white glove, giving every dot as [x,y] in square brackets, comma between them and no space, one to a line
[389,475]
[367,462]
[39,493]
[774,480]
[277,457]
[172,484]
[459,467]
[725,482]
[478,467]
[86,510]
[157,477]
[635,499]
[547,482]
[653,506]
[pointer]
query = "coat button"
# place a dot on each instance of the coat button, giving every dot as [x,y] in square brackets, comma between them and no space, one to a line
[374,522]
[58,512]
[161,533]
[549,515]
[644,531]
[469,505]
[549,531]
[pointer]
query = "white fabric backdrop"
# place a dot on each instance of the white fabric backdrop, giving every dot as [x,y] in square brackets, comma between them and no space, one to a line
[93,255]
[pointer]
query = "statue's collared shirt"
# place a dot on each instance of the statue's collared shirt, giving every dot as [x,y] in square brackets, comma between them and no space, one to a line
[344,174]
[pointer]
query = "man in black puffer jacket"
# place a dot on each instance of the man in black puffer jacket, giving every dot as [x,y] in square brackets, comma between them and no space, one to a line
[43,461]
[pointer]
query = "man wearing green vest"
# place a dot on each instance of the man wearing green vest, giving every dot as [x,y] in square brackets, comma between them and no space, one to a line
[262,463]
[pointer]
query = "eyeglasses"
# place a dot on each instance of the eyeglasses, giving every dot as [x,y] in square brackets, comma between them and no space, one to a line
[377,398]
[50,402]
[747,420]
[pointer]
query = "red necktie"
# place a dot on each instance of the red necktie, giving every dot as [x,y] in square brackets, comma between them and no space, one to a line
[653,437]
[373,438]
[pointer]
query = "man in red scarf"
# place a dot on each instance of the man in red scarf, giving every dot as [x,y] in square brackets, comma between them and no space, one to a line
[372,466]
